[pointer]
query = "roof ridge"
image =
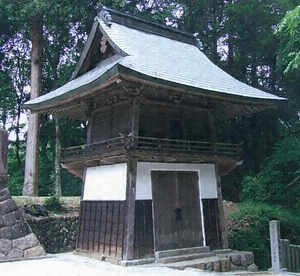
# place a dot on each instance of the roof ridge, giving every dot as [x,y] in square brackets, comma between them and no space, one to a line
[109,16]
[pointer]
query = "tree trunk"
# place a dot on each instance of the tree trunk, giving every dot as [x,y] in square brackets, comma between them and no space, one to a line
[57,158]
[32,145]
[3,159]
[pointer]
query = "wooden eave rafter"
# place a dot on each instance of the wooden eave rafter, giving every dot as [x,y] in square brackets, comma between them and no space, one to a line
[224,107]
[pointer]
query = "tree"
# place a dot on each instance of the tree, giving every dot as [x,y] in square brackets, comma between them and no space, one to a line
[288,31]
[32,145]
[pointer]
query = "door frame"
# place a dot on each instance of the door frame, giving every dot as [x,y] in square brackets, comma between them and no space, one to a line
[192,220]
[206,175]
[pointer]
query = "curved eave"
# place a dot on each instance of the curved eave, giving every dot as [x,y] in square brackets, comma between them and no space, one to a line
[54,99]
[132,74]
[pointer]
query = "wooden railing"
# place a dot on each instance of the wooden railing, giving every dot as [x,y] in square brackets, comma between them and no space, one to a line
[137,142]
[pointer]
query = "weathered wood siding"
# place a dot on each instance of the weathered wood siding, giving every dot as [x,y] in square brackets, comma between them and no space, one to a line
[101,227]
[211,223]
[109,123]
[174,123]
[143,230]
[176,209]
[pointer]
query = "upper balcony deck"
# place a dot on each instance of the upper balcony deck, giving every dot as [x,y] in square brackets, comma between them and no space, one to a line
[153,145]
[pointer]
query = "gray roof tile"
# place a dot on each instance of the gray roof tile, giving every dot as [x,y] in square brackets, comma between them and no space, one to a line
[157,57]
[175,61]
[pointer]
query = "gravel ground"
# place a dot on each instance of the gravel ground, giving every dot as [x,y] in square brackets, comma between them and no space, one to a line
[67,264]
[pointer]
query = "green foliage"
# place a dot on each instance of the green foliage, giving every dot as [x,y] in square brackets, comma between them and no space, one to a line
[16,169]
[54,204]
[289,33]
[249,230]
[278,182]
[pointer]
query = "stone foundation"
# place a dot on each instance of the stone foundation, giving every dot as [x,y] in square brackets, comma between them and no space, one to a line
[16,237]
[57,234]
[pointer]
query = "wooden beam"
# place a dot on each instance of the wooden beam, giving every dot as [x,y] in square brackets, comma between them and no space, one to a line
[128,247]
[3,158]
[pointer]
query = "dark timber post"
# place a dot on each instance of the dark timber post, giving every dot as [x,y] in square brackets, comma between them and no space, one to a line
[221,216]
[3,159]
[130,209]
[134,119]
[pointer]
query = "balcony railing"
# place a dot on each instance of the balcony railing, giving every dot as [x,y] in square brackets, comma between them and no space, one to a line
[147,143]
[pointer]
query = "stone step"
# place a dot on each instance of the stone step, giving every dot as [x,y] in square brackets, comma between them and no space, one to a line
[183,258]
[221,261]
[202,263]
[181,251]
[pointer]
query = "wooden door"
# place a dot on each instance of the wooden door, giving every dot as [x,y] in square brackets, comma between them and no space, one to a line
[176,205]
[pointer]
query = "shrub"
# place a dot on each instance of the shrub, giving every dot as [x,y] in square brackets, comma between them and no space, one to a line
[54,204]
[249,229]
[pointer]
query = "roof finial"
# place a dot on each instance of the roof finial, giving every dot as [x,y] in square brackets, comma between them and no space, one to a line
[199,43]
[105,16]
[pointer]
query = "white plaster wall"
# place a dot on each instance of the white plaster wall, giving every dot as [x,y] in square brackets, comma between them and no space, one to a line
[105,182]
[206,173]
[208,181]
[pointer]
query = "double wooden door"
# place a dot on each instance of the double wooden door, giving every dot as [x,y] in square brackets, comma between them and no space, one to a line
[176,205]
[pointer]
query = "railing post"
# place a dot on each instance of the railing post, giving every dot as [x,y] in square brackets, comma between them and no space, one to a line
[287,251]
[293,255]
[276,256]
[297,257]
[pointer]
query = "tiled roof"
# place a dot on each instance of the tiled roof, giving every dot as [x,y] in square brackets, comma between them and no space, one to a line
[182,63]
[147,54]
[75,88]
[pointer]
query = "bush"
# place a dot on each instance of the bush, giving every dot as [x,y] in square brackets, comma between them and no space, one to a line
[278,182]
[54,204]
[249,229]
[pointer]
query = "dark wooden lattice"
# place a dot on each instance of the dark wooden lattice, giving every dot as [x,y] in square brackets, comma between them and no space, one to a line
[101,227]
[211,223]
[143,232]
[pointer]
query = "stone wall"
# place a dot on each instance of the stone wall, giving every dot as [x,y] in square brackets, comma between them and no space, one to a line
[16,238]
[56,233]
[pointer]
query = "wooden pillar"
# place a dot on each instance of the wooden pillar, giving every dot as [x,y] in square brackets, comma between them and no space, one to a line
[134,118]
[212,127]
[3,159]
[128,247]
[222,222]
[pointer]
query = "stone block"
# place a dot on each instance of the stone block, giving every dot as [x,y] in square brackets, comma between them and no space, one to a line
[249,258]
[1,222]
[5,233]
[15,253]
[4,194]
[34,252]
[2,256]
[9,219]
[5,246]
[7,206]
[209,266]
[252,268]
[236,259]
[233,267]
[217,266]
[225,265]
[32,240]
[243,260]
[20,243]
[201,266]
[20,230]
